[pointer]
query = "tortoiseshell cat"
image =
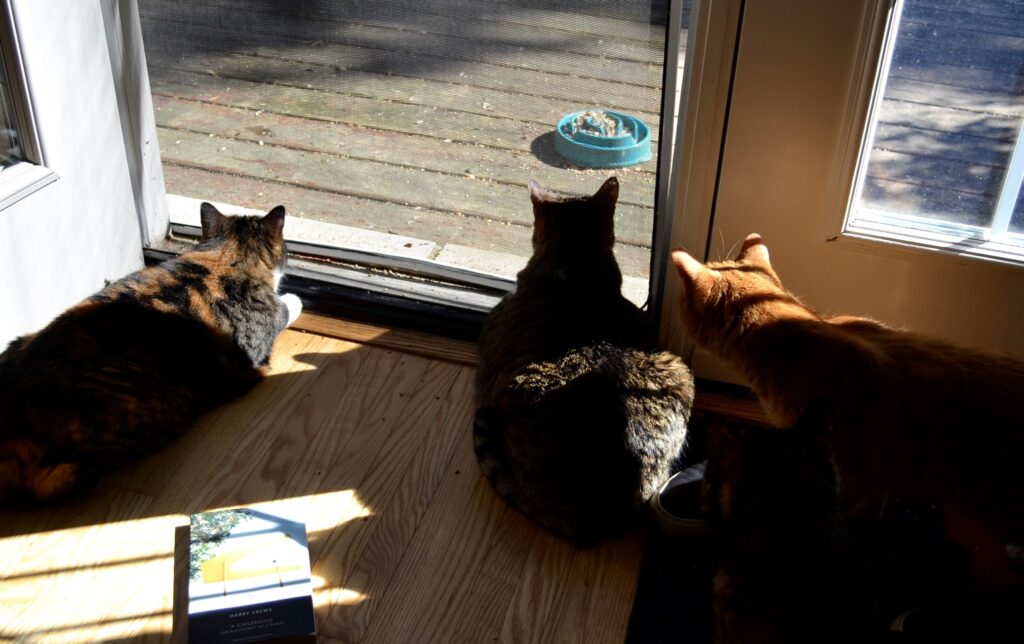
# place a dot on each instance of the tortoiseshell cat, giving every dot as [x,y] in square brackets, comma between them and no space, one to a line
[127,370]
[578,416]
[788,569]
[913,415]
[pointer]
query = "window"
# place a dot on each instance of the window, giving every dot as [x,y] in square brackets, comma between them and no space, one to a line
[10,141]
[947,149]
[21,171]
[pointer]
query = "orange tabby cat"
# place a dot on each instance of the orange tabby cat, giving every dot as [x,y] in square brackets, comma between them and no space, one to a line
[913,415]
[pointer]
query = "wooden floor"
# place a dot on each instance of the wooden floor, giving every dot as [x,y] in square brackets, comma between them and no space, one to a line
[373,446]
[423,119]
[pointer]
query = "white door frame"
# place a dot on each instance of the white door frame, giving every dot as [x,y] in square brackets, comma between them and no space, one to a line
[135,102]
[64,239]
[707,88]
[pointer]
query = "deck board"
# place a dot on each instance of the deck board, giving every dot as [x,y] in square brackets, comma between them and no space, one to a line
[376,145]
[461,195]
[487,70]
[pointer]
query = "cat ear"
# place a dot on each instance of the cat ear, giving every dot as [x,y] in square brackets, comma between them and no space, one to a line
[273,221]
[753,250]
[690,270]
[211,219]
[608,192]
[537,194]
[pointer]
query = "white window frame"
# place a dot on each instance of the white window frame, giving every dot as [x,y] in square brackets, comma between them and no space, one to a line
[864,225]
[26,177]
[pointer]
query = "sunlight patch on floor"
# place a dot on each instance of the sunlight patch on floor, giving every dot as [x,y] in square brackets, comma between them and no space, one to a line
[56,583]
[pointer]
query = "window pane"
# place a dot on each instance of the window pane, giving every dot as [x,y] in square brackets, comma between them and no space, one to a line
[10,147]
[409,128]
[947,127]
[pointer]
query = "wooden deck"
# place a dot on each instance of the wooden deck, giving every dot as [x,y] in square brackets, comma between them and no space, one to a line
[420,119]
[953,106]
[372,446]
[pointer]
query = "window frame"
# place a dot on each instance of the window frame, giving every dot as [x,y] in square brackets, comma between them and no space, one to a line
[864,225]
[26,177]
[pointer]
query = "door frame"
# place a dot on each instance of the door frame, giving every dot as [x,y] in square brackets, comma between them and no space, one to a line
[74,227]
[157,220]
[706,93]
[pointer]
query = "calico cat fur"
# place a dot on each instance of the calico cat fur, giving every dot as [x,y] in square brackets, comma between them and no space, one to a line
[578,415]
[788,569]
[126,371]
[913,415]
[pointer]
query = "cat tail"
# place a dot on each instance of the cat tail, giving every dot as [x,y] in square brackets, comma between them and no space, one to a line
[22,470]
[489,444]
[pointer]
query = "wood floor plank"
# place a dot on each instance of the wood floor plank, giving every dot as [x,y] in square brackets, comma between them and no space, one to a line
[401,485]
[984,80]
[962,176]
[496,582]
[539,37]
[950,146]
[538,587]
[936,202]
[455,351]
[596,595]
[420,109]
[329,414]
[447,549]
[947,14]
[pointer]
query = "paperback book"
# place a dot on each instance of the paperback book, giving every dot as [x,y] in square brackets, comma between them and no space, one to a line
[249,578]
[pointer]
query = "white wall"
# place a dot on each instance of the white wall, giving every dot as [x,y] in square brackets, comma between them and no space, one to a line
[59,244]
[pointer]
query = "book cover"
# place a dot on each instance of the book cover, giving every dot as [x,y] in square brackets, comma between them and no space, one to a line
[249,578]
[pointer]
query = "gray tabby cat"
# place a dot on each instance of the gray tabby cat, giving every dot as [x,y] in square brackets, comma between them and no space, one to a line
[579,417]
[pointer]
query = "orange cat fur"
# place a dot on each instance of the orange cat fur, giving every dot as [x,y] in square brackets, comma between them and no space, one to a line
[914,415]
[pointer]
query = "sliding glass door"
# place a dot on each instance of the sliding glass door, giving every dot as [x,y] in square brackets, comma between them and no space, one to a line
[401,135]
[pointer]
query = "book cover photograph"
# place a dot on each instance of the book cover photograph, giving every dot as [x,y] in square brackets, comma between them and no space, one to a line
[249,578]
